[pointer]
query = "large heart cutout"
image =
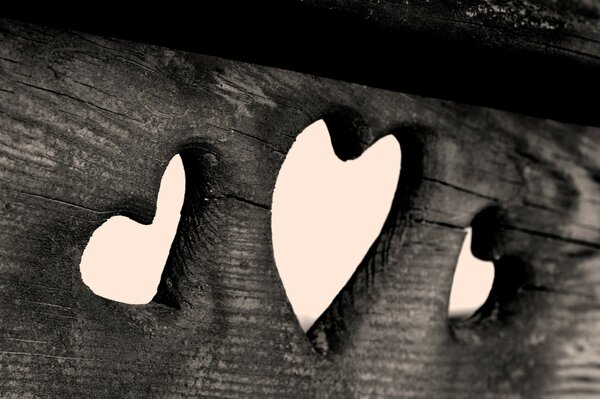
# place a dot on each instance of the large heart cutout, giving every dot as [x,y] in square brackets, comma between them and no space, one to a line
[326,214]
[124,260]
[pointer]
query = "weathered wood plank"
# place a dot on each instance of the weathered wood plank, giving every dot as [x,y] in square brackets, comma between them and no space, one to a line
[538,57]
[87,126]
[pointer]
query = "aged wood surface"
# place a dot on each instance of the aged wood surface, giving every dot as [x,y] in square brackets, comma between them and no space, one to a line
[539,57]
[87,126]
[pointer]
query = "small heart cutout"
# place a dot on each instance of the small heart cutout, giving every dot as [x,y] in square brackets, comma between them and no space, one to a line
[124,260]
[472,282]
[326,214]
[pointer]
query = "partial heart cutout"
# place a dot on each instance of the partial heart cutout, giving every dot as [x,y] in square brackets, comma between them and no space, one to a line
[472,283]
[124,260]
[326,214]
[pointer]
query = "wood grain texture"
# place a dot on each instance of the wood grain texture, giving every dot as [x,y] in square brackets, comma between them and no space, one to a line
[87,126]
[538,57]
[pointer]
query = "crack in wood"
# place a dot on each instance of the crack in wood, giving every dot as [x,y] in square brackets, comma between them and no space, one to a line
[223,326]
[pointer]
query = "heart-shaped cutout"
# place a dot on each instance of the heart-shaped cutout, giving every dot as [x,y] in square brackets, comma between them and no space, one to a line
[326,214]
[124,260]
[472,282]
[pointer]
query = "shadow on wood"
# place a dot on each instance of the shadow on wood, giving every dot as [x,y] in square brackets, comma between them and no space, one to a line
[87,125]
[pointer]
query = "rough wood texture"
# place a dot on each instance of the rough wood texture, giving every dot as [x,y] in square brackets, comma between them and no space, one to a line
[539,57]
[87,126]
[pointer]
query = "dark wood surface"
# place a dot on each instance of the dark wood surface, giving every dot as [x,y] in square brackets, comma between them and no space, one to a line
[539,57]
[87,126]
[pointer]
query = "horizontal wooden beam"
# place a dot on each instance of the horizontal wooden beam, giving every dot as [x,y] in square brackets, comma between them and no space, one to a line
[535,57]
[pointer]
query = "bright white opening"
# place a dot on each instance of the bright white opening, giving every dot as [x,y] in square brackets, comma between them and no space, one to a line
[326,213]
[473,279]
[124,260]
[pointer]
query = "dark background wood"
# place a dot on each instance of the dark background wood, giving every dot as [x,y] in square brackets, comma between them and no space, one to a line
[87,126]
[538,57]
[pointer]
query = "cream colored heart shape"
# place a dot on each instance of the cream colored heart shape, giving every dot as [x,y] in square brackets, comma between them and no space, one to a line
[326,213]
[124,260]
[472,282]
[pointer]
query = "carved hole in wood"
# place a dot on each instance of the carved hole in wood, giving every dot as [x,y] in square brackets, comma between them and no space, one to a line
[124,259]
[512,274]
[471,284]
[328,211]
[178,281]
[347,313]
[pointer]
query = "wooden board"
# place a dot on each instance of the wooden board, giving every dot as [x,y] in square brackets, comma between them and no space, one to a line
[537,57]
[87,126]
